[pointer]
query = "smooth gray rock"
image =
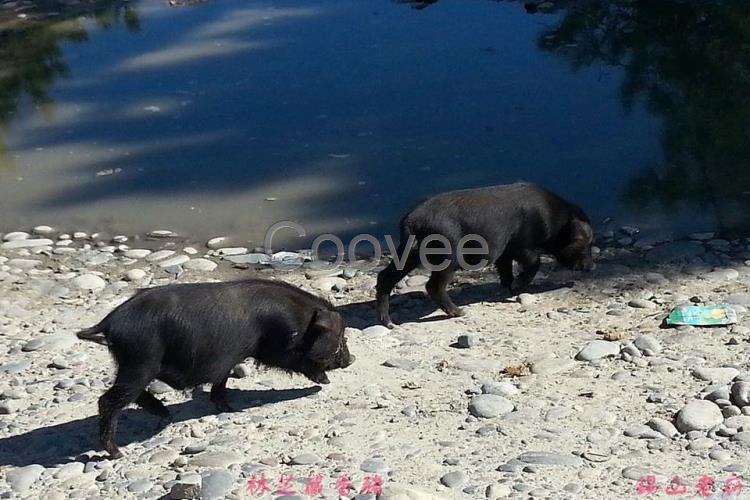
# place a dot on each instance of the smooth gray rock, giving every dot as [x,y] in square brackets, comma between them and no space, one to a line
[698,415]
[69,470]
[137,253]
[376,331]
[161,233]
[549,458]
[251,258]
[135,274]
[737,422]
[328,284]
[489,406]
[373,466]
[404,364]
[641,304]
[195,448]
[140,486]
[56,342]
[453,479]
[648,344]
[552,365]
[715,375]
[700,444]
[305,459]
[232,251]
[176,260]
[218,242]
[396,491]
[742,438]
[598,349]
[718,393]
[720,455]
[27,243]
[88,282]
[203,265]
[216,459]
[504,389]
[216,484]
[642,432]
[33,345]
[23,478]
[159,255]
[635,473]
[740,393]
[526,299]
[16,235]
[16,367]
[158,387]
[664,427]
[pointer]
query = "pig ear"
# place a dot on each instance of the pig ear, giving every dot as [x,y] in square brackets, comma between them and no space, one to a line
[324,335]
[581,231]
[325,321]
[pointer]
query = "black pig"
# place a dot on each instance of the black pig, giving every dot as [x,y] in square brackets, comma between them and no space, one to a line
[191,334]
[517,222]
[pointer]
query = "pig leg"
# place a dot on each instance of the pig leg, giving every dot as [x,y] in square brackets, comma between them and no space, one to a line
[387,279]
[529,260]
[504,266]
[129,384]
[437,290]
[148,402]
[219,395]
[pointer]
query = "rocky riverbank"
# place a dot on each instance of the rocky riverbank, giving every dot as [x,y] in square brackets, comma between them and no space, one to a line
[570,391]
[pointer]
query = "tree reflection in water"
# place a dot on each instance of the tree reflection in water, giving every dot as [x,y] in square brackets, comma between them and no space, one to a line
[689,62]
[31,57]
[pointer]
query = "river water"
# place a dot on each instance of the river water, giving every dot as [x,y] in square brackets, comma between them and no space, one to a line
[224,117]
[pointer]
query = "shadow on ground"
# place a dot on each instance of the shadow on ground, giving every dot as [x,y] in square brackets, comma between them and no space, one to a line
[628,270]
[414,307]
[61,443]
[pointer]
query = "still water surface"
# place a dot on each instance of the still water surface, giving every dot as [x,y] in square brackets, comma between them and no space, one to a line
[227,116]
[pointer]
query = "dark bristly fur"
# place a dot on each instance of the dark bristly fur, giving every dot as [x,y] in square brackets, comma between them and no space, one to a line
[191,334]
[518,222]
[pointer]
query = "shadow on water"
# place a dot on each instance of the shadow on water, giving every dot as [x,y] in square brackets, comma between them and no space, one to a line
[60,443]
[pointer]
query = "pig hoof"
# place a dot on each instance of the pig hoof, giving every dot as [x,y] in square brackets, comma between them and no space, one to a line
[387,322]
[454,313]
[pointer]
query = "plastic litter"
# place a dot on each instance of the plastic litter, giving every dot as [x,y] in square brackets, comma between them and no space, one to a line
[708,315]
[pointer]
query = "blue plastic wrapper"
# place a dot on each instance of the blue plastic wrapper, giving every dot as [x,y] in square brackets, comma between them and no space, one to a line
[709,315]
